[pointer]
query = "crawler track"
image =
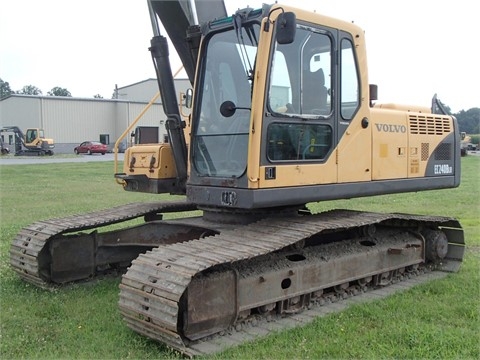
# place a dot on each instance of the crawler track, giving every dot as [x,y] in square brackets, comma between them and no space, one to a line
[164,294]
[199,286]
[27,252]
[259,327]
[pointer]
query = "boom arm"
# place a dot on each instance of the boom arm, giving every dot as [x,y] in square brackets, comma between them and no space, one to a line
[180,19]
[177,18]
[174,124]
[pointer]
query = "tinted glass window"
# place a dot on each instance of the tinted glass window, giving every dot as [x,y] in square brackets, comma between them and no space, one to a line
[298,141]
[299,98]
[220,143]
[349,94]
[301,75]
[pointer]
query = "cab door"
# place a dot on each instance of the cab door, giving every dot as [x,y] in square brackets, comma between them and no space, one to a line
[299,128]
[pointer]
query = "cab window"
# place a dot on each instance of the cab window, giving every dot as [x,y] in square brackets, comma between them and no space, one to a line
[301,75]
[299,98]
[298,141]
[349,94]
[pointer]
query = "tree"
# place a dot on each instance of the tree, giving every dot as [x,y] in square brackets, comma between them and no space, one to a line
[97,96]
[469,121]
[58,91]
[5,89]
[30,90]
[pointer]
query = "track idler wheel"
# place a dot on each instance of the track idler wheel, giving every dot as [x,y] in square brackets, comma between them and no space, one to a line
[436,245]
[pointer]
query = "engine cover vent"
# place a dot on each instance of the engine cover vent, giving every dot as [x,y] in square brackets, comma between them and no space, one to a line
[429,125]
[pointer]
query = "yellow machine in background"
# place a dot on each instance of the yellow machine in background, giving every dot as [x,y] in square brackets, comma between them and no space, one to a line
[33,142]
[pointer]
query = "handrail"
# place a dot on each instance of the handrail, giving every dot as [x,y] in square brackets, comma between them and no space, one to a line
[129,128]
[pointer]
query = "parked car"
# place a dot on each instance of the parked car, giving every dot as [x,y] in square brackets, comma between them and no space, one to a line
[91,147]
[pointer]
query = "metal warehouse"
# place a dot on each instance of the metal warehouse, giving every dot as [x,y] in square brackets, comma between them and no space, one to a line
[70,121]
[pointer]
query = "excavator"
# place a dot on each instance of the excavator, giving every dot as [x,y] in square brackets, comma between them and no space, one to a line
[281,116]
[33,142]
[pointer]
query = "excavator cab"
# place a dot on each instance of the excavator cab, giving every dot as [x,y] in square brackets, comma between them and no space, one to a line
[33,136]
[282,116]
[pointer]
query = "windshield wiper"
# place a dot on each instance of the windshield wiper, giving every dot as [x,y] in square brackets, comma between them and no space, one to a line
[237,24]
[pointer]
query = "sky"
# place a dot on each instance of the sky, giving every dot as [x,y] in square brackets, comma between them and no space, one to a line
[415,48]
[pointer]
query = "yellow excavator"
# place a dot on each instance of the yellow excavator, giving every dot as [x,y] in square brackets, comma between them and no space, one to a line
[33,142]
[282,115]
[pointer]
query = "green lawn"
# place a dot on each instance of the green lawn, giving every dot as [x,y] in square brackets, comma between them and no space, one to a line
[436,320]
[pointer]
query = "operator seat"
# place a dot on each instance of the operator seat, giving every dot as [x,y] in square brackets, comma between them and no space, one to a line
[314,92]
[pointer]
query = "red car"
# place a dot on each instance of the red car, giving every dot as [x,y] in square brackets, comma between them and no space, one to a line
[90,147]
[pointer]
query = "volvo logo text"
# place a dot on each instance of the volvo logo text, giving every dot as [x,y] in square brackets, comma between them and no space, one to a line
[391,128]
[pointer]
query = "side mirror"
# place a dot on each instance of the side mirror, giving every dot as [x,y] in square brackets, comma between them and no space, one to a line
[286,26]
[188,98]
[373,92]
[228,108]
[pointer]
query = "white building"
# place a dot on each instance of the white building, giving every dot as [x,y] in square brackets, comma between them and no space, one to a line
[70,121]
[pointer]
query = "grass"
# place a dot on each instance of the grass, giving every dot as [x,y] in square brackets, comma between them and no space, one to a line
[436,320]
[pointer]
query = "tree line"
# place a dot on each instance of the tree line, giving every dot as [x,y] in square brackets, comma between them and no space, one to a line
[469,120]
[5,91]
